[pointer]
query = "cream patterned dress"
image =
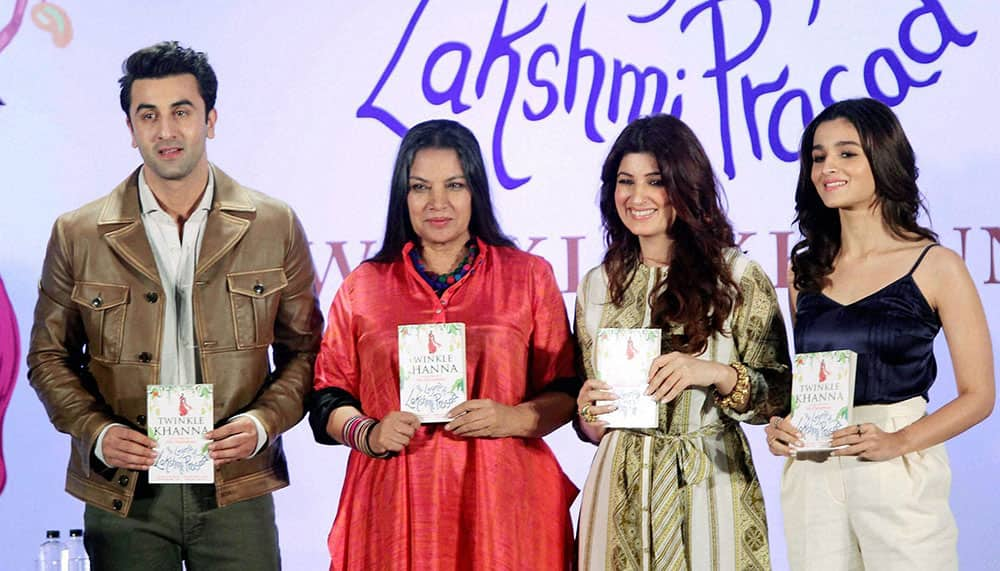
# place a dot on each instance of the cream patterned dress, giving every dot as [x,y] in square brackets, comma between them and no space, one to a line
[684,495]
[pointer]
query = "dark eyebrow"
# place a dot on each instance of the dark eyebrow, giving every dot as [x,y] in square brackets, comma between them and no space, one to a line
[173,105]
[838,144]
[449,179]
[650,173]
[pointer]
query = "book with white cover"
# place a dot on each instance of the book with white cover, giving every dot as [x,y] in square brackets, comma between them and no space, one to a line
[432,369]
[178,416]
[822,396]
[623,360]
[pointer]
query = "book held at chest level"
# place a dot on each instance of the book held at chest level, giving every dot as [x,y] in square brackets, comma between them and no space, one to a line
[623,360]
[432,377]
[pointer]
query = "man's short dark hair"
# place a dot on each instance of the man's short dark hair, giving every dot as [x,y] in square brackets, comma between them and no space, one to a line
[163,60]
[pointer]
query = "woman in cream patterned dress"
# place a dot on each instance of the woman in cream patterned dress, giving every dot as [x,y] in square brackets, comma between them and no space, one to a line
[684,495]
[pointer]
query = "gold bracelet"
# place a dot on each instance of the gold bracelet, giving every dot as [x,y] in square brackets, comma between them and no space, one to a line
[738,398]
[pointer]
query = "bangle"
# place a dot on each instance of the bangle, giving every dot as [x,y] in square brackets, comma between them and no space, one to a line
[365,445]
[355,434]
[740,396]
[352,428]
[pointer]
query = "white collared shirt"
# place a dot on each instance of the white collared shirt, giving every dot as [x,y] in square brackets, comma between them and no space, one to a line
[176,259]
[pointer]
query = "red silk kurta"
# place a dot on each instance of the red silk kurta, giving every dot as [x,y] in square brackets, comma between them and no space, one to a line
[449,502]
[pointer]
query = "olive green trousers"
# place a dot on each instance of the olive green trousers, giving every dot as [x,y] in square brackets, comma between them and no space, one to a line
[171,524]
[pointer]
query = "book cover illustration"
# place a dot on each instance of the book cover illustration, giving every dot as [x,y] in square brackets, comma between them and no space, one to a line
[432,369]
[822,395]
[623,360]
[178,416]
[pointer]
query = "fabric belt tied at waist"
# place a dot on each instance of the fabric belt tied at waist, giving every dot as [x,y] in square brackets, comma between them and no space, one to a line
[677,460]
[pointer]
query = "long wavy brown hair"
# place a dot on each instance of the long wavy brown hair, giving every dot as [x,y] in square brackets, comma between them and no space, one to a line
[699,292]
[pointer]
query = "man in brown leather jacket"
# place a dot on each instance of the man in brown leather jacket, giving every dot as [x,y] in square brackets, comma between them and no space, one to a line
[179,276]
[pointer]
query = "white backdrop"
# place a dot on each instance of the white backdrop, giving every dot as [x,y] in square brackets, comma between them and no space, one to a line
[314,95]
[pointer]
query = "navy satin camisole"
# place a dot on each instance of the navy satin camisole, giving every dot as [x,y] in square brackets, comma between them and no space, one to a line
[891,330]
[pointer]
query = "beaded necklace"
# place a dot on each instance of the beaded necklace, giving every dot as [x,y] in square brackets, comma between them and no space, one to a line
[441,282]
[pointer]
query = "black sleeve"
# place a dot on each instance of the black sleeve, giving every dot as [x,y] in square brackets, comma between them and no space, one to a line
[321,405]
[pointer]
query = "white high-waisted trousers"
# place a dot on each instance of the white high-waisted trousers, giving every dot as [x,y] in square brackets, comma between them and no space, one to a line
[842,513]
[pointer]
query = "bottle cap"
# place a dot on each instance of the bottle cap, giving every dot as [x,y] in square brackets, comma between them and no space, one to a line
[52,533]
[76,533]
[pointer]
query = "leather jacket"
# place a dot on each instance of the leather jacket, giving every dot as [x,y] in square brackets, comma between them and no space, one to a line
[95,343]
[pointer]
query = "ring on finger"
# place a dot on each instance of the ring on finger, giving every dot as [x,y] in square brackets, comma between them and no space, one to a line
[860,431]
[586,415]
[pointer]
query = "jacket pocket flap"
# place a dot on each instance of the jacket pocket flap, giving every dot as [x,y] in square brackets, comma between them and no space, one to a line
[258,283]
[98,296]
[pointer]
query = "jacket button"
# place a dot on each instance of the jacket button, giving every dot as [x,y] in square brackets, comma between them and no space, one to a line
[145,357]
[97,301]
[258,288]
[116,505]
[123,481]
[151,297]
[141,419]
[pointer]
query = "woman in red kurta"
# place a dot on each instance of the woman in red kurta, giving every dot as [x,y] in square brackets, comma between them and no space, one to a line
[482,491]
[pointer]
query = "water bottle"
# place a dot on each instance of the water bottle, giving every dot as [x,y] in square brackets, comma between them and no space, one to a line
[76,553]
[50,552]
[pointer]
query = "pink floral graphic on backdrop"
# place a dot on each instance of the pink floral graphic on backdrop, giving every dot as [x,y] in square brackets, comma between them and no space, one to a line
[48,16]
[10,346]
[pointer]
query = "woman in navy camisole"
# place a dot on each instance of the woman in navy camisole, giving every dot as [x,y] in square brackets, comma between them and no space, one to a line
[869,278]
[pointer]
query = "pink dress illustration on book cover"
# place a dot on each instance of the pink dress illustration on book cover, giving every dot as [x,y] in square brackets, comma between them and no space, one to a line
[432,344]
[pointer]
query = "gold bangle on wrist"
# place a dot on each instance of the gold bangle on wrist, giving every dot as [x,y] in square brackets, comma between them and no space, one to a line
[740,395]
